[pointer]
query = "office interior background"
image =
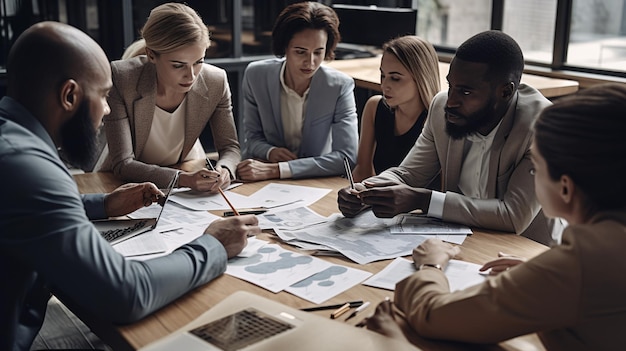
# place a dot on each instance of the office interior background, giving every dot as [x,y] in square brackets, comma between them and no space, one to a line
[583,40]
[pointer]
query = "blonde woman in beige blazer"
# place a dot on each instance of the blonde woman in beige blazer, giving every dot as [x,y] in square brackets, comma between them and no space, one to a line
[170,78]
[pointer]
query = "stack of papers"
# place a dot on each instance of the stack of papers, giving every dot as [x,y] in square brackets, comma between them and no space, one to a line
[366,238]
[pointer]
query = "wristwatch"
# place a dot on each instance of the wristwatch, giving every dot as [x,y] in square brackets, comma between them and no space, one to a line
[421,266]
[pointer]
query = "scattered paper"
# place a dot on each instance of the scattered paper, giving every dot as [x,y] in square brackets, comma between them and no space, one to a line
[296,218]
[411,224]
[460,274]
[328,283]
[363,239]
[274,268]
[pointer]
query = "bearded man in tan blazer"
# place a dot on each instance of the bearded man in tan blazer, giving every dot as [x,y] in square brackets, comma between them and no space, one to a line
[477,140]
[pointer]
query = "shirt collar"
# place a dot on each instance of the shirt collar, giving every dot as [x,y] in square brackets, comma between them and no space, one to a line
[14,111]
[287,89]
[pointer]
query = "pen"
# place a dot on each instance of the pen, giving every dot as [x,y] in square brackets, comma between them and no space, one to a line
[243,211]
[332,307]
[359,309]
[170,230]
[341,310]
[209,164]
[346,164]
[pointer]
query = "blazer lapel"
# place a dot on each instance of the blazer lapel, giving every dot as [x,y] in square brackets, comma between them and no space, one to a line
[497,148]
[452,167]
[143,108]
[313,111]
[196,103]
[273,85]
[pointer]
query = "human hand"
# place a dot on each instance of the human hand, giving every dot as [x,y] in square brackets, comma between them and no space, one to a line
[384,321]
[280,154]
[389,199]
[233,232]
[502,264]
[223,181]
[434,251]
[205,179]
[253,170]
[349,201]
[130,197]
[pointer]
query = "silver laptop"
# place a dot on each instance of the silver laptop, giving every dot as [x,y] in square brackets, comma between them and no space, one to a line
[117,230]
[244,321]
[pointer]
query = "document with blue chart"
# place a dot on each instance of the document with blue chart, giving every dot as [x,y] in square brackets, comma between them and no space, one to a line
[328,283]
[275,268]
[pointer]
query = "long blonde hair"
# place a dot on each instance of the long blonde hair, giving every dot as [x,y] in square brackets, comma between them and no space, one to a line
[419,57]
[169,27]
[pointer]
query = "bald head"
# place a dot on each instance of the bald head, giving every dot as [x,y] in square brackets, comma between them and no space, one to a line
[49,53]
[62,77]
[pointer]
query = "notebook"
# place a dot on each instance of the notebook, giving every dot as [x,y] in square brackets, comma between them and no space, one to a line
[244,321]
[117,230]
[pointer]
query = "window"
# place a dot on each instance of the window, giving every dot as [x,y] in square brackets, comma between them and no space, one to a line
[598,35]
[449,23]
[531,23]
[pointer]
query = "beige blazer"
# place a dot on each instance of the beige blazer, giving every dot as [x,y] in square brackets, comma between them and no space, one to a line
[133,99]
[571,295]
[512,205]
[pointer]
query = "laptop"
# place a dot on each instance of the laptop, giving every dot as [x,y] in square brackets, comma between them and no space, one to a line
[245,321]
[117,230]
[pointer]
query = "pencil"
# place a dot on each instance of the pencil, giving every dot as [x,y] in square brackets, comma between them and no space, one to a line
[209,164]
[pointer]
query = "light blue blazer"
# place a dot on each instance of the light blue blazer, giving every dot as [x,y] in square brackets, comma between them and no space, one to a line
[329,130]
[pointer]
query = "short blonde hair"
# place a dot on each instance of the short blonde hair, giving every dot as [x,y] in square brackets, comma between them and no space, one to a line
[419,57]
[171,26]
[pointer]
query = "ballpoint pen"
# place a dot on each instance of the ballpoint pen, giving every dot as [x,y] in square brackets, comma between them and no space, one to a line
[332,307]
[359,309]
[346,165]
[210,165]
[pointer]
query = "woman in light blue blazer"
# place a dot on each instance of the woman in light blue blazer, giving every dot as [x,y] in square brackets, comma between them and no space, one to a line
[300,117]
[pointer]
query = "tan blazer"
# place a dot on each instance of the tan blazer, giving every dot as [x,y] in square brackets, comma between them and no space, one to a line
[132,102]
[511,205]
[571,295]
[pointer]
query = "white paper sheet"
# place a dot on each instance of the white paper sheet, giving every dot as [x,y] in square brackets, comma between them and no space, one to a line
[252,247]
[144,244]
[275,268]
[410,224]
[290,219]
[201,201]
[460,274]
[279,197]
[362,239]
[328,283]
[174,214]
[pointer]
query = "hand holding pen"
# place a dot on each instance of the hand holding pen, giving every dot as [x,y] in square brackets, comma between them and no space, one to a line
[235,212]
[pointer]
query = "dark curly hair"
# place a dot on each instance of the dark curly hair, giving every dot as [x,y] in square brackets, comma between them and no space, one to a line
[499,51]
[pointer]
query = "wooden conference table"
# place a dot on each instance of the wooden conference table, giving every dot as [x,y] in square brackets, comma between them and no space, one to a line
[366,74]
[477,248]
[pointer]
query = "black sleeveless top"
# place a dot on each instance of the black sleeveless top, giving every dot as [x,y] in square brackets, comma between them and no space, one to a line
[390,148]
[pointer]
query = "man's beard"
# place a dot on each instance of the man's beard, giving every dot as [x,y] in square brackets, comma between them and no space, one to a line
[79,138]
[474,122]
